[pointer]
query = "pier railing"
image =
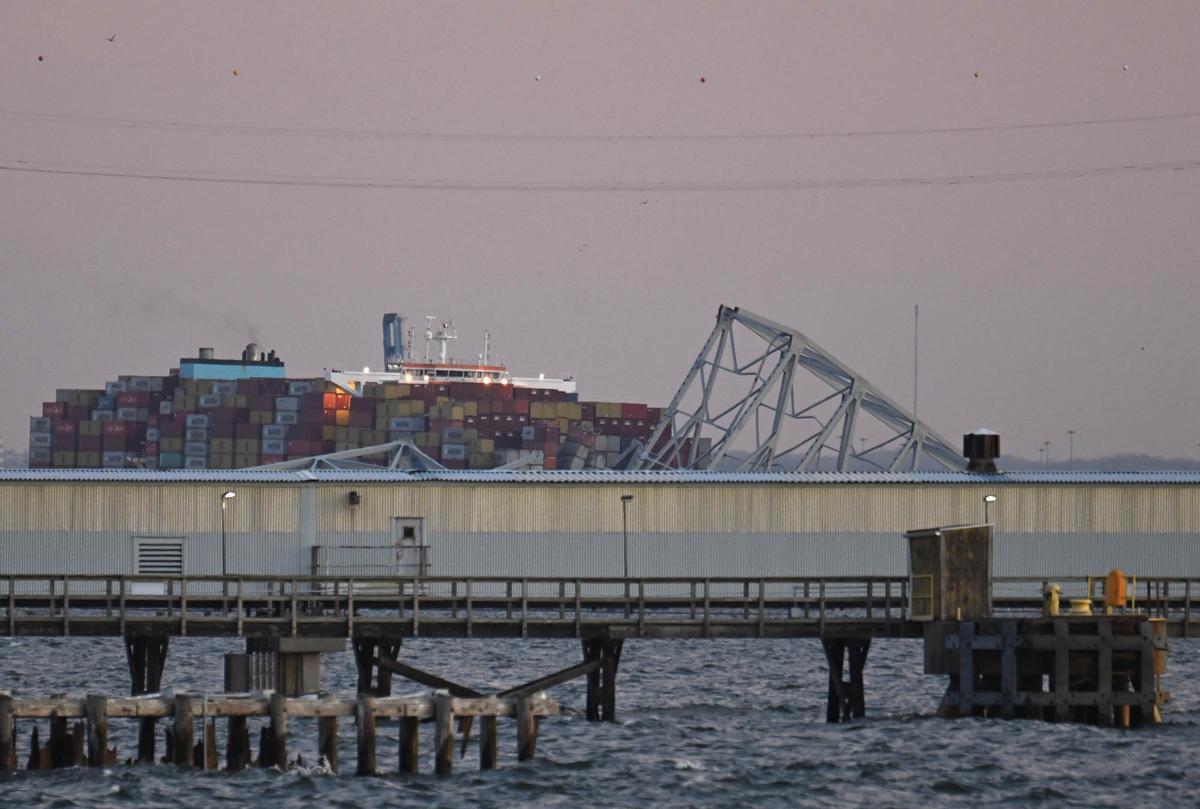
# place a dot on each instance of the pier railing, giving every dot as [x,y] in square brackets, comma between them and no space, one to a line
[330,606]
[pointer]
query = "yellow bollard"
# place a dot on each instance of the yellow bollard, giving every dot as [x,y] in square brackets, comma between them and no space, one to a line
[1050,600]
[1080,606]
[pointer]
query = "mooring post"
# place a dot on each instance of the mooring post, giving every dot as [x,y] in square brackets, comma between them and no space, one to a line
[527,728]
[183,730]
[327,742]
[487,743]
[279,728]
[409,737]
[237,744]
[36,752]
[8,736]
[364,716]
[96,711]
[443,719]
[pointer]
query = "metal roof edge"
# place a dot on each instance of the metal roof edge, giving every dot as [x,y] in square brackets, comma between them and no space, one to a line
[592,476]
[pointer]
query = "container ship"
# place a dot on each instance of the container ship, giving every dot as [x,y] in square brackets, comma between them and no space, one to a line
[213,413]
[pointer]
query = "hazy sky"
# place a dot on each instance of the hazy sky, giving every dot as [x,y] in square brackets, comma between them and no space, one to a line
[594,219]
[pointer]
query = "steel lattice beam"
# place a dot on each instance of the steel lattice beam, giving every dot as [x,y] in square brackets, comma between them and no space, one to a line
[740,407]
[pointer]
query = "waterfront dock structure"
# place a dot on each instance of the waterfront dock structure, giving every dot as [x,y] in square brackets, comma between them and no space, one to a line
[568,524]
[65,748]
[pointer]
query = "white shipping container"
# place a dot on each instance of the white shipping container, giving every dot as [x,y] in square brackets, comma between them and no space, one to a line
[40,424]
[289,404]
[195,448]
[195,462]
[284,417]
[197,420]
[41,440]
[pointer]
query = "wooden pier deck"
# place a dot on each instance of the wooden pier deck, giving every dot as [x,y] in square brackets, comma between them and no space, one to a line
[530,607]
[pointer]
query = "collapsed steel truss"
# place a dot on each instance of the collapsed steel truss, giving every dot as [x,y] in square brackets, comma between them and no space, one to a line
[404,455]
[740,409]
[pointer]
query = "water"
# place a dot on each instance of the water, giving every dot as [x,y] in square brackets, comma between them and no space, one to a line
[702,724]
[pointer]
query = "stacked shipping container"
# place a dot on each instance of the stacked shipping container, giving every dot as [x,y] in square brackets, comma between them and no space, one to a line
[171,423]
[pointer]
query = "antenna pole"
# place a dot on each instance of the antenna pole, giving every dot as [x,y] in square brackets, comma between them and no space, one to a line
[916,327]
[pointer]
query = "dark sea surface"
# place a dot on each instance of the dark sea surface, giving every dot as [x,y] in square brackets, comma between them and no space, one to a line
[701,724]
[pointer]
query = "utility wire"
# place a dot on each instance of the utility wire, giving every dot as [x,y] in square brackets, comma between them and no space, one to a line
[225,178]
[535,137]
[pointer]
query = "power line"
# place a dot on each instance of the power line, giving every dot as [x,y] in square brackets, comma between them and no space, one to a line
[536,137]
[229,178]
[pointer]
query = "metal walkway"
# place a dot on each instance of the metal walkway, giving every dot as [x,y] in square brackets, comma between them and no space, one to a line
[499,607]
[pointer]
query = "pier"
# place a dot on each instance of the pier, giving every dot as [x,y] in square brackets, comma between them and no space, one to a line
[66,748]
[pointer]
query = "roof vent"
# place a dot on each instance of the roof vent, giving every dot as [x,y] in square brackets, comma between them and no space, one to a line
[206,353]
[981,449]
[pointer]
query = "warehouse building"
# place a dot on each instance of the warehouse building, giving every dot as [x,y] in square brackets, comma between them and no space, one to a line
[568,524]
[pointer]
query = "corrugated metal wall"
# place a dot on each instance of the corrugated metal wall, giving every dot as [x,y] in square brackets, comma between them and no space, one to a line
[702,529]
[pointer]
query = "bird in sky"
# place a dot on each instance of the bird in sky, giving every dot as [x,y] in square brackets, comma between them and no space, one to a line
[112,38]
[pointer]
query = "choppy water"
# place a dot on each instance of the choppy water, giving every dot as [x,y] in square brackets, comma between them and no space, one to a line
[702,724]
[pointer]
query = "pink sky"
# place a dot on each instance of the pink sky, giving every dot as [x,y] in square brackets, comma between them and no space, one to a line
[1055,303]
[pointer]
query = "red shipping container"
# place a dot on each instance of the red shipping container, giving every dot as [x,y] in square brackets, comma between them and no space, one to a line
[262,402]
[134,398]
[170,429]
[521,406]
[266,459]
[248,387]
[66,428]
[115,443]
[151,448]
[311,417]
[550,462]
[313,400]
[53,410]
[64,442]
[223,430]
[298,447]
[88,443]
[117,428]
[362,418]
[248,430]
[78,413]
[274,387]
[329,416]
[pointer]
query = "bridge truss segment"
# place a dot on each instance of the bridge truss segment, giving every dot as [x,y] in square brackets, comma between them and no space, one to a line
[748,404]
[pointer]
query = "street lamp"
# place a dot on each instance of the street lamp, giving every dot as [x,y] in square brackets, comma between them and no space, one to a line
[225,498]
[1071,448]
[625,500]
[987,501]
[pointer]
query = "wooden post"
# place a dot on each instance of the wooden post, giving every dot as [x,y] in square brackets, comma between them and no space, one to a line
[237,746]
[96,711]
[75,746]
[443,719]
[526,729]
[35,751]
[279,728]
[487,743]
[327,742]
[210,745]
[409,736]
[183,731]
[8,743]
[364,716]
[57,743]
[592,651]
